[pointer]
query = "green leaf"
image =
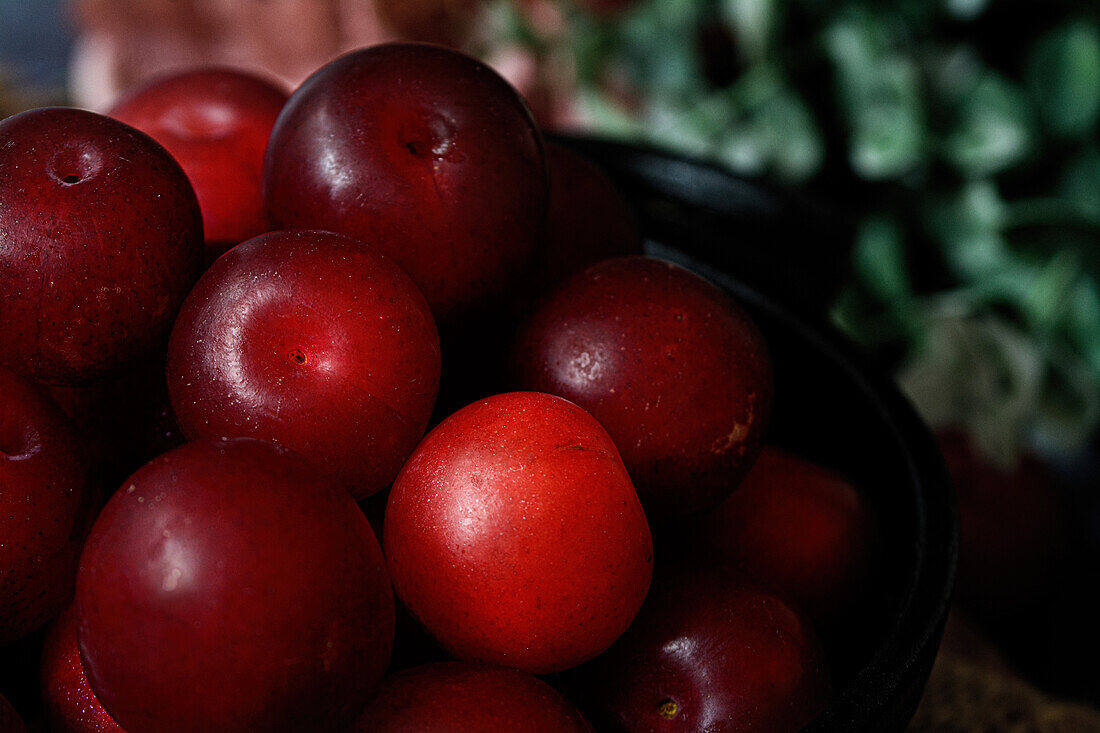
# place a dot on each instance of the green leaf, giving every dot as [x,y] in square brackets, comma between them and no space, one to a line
[993,130]
[799,147]
[506,24]
[953,74]
[880,262]
[670,124]
[589,45]
[1047,297]
[966,9]
[656,44]
[759,85]
[969,224]
[856,35]
[753,22]
[1064,419]
[1081,181]
[880,94]
[776,131]
[983,206]
[745,149]
[607,116]
[1063,74]
[887,142]
[1083,322]
[714,114]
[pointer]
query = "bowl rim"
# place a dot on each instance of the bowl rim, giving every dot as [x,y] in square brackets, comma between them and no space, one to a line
[922,610]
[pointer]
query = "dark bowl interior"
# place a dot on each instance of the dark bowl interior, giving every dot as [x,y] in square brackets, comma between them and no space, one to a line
[831,405]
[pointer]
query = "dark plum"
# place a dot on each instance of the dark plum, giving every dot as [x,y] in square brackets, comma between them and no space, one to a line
[102,240]
[10,722]
[675,371]
[422,152]
[796,528]
[588,220]
[230,586]
[124,418]
[70,704]
[315,341]
[708,653]
[47,500]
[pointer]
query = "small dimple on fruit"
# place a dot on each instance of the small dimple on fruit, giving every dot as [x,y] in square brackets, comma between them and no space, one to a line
[74,164]
[668,708]
[431,138]
[298,356]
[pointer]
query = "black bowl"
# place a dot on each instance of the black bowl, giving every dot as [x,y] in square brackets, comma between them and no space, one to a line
[785,245]
[831,406]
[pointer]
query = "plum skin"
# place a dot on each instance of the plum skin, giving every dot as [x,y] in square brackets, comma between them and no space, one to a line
[514,535]
[227,585]
[71,705]
[216,123]
[422,152]
[124,419]
[10,722]
[796,528]
[315,341]
[459,697]
[708,652]
[47,501]
[675,371]
[89,203]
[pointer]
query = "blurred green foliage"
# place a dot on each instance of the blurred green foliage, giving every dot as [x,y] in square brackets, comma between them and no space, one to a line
[962,135]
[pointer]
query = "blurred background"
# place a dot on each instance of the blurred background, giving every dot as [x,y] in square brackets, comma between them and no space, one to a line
[960,140]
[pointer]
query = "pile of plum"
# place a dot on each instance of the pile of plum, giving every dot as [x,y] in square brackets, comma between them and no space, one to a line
[300,288]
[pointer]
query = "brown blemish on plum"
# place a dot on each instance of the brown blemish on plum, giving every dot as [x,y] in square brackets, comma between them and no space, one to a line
[668,709]
[298,356]
[738,433]
[735,437]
